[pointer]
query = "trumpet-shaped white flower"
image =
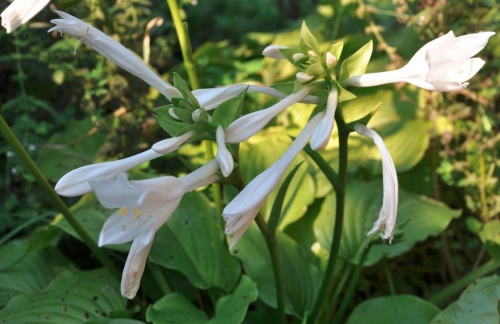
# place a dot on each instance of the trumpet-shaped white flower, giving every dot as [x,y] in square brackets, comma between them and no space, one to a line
[223,155]
[388,213]
[323,132]
[76,182]
[444,64]
[241,211]
[246,126]
[143,207]
[113,51]
[20,12]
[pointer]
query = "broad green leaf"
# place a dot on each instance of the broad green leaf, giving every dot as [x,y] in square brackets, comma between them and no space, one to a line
[22,272]
[401,309]
[76,146]
[73,297]
[193,243]
[477,304]
[258,154]
[490,236]
[301,276]
[176,309]
[418,218]
[227,112]
[356,63]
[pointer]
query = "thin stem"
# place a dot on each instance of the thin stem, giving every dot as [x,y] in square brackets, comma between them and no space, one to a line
[340,285]
[390,282]
[160,278]
[461,283]
[55,199]
[185,44]
[352,287]
[339,218]
[20,72]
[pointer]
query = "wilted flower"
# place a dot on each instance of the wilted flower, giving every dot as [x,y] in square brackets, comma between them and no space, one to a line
[444,64]
[20,12]
[323,132]
[143,207]
[113,51]
[246,126]
[76,182]
[241,211]
[388,213]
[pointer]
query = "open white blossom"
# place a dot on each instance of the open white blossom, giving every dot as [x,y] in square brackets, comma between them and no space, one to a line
[388,213]
[241,211]
[113,51]
[444,64]
[143,207]
[20,12]
[76,182]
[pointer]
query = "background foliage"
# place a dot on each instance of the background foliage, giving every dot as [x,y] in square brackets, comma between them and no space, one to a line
[71,107]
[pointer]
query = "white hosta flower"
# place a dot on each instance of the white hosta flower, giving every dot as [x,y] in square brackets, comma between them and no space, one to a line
[388,213]
[303,77]
[76,182]
[20,12]
[241,211]
[113,51]
[330,59]
[246,126]
[273,51]
[444,64]
[323,132]
[143,207]
[223,155]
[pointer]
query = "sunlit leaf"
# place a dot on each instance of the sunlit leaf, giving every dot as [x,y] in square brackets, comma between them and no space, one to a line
[356,63]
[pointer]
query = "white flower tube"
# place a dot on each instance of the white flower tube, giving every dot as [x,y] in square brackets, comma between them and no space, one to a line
[143,207]
[444,64]
[273,51]
[76,182]
[323,132]
[223,155]
[241,211]
[246,126]
[20,12]
[388,213]
[113,51]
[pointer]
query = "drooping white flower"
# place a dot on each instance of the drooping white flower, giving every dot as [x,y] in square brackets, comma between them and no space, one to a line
[76,182]
[246,126]
[223,155]
[143,207]
[113,51]
[323,132]
[241,211]
[444,64]
[20,12]
[388,213]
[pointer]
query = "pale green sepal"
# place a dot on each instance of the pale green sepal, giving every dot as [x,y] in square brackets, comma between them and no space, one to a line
[356,63]
[307,40]
[184,115]
[289,52]
[227,112]
[336,49]
[344,95]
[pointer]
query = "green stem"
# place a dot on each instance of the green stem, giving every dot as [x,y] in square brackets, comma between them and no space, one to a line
[390,282]
[187,56]
[55,199]
[339,218]
[461,283]
[185,44]
[352,287]
[20,72]
[159,278]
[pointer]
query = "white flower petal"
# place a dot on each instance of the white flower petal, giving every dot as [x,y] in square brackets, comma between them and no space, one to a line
[113,51]
[171,144]
[76,182]
[223,155]
[387,217]
[273,51]
[20,12]
[134,267]
[240,212]
[246,126]
[323,132]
